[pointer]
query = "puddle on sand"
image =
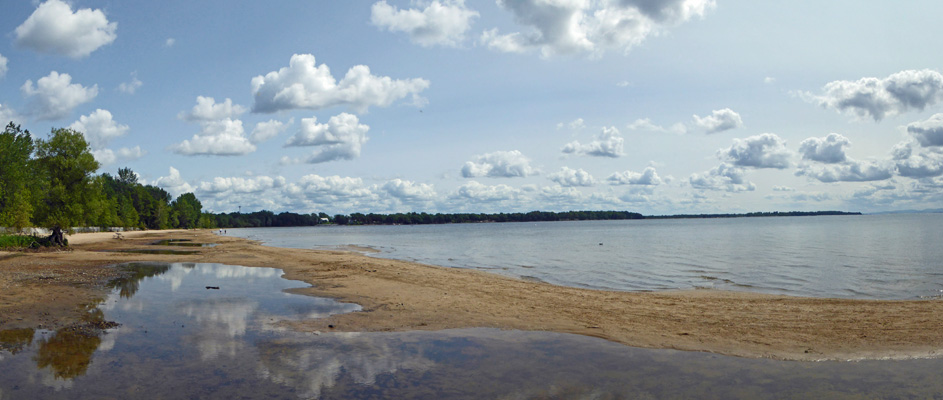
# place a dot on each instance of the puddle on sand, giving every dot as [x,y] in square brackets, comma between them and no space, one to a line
[155,251]
[178,339]
[182,243]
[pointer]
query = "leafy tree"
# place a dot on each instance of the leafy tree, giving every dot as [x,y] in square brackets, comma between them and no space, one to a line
[187,210]
[67,197]
[16,147]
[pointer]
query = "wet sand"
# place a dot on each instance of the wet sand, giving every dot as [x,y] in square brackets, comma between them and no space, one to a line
[52,289]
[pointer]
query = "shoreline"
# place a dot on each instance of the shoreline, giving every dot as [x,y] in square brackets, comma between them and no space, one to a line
[50,289]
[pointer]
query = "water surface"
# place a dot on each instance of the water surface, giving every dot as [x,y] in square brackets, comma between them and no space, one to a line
[867,257]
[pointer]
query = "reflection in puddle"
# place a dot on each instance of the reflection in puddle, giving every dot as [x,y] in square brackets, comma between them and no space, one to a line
[156,251]
[179,340]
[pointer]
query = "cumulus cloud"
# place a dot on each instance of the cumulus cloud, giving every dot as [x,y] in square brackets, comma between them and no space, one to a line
[879,98]
[575,124]
[55,28]
[225,137]
[55,96]
[305,85]
[849,171]
[132,86]
[646,124]
[829,149]
[500,164]
[266,130]
[481,193]
[607,143]
[568,177]
[919,166]
[719,121]
[441,23]
[99,128]
[3,66]
[724,177]
[109,156]
[7,115]
[174,183]
[341,138]
[231,185]
[593,27]
[408,191]
[170,42]
[761,151]
[332,189]
[647,177]
[929,132]
[206,109]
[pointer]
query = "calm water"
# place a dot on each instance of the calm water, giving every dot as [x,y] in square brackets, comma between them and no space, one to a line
[870,256]
[178,339]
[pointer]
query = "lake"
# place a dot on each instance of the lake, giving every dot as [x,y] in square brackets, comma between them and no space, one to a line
[894,256]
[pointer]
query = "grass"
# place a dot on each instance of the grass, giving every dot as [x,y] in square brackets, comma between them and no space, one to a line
[12,242]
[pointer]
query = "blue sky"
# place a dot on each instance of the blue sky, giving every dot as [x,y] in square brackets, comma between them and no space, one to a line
[655,106]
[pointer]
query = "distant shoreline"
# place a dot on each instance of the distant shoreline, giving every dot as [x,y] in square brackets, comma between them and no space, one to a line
[265,219]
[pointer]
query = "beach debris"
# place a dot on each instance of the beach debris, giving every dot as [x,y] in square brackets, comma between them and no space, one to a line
[331,326]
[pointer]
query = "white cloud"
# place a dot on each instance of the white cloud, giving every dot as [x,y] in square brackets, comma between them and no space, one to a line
[850,171]
[170,42]
[99,128]
[829,149]
[206,109]
[719,121]
[109,156]
[929,132]
[575,124]
[480,193]
[225,137]
[131,87]
[761,151]
[561,196]
[769,80]
[3,66]
[230,185]
[55,96]
[8,115]
[582,26]
[646,124]
[264,131]
[333,189]
[305,85]
[783,189]
[341,138]
[879,98]
[440,23]
[607,143]
[174,183]
[54,28]
[568,177]
[500,164]
[921,166]
[408,191]
[723,177]
[647,177]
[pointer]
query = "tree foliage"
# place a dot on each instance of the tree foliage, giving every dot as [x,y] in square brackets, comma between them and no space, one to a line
[16,149]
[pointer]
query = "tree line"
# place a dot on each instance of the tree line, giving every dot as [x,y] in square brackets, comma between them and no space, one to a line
[50,183]
[269,219]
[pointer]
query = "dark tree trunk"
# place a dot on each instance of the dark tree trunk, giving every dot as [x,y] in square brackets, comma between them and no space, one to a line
[57,238]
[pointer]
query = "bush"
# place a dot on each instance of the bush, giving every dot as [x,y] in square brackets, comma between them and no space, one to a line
[24,242]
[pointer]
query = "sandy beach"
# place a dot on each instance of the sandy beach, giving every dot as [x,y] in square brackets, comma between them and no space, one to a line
[53,289]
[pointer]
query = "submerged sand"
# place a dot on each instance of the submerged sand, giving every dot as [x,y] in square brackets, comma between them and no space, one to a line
[52,289]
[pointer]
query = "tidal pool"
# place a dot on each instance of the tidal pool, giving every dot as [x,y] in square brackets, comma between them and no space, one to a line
[178,339]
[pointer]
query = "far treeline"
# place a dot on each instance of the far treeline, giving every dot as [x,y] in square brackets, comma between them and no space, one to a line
[262,219]
[50,183]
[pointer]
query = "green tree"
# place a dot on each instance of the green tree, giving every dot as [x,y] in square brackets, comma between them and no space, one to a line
[67,196]
[16,147]
[187,210]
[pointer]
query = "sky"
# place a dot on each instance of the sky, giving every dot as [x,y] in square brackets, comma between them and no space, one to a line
[651,106]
